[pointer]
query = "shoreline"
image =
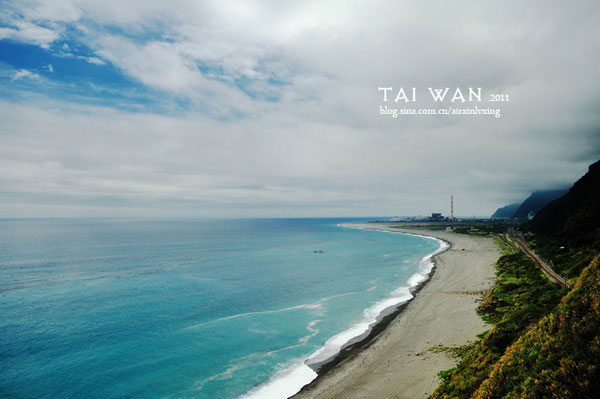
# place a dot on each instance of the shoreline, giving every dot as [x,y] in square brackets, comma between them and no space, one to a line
[386,316]
[317,365]
[353,371]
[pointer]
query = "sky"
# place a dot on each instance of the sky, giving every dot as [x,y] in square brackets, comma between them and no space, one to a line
[273,108]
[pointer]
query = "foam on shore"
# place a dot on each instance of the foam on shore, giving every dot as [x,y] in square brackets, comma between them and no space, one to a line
[284,384]
[292,379]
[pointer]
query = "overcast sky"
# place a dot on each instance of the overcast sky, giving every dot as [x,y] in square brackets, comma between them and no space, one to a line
[272,109]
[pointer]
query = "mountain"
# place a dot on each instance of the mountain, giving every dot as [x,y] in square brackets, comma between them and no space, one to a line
[536,201]
[545,339]
[559,356]
[573,220]
[506,212]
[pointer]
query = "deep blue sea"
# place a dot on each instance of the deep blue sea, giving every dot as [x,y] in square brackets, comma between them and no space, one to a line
[118,308]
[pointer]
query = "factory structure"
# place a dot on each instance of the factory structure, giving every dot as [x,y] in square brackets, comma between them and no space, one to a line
[435,216]
[438,217]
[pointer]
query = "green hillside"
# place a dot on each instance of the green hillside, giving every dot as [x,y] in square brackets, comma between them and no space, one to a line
[560,356]
[573,219]
[567,231]
[545,340]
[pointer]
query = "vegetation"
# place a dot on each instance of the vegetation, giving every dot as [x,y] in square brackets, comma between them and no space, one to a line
[558,358]
[568,262]
[477,228]
[454,351]
[521,296]
[567,231]
[545,341]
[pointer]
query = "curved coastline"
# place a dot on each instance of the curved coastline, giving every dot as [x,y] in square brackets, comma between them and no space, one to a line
[310,370]
[394,360]
[385,317]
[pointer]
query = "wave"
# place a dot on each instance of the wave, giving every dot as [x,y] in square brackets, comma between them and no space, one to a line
[291,379]
[314,305]
[293,375]
[374,314]
[285,383]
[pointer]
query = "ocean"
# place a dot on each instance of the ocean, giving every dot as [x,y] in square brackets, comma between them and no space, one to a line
[235,308]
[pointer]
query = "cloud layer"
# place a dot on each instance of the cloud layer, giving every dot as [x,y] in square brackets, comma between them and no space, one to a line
[271,109]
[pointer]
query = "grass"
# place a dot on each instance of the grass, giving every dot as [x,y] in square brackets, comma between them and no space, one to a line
[519,299]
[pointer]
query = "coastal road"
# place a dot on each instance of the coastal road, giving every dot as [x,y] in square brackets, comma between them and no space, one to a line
[546,269]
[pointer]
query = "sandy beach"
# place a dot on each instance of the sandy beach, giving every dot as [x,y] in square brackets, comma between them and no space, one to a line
[399,362]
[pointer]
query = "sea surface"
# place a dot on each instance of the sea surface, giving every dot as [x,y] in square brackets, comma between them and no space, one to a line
[130,308]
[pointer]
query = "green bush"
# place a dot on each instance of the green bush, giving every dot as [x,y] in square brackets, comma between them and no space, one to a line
[520,297]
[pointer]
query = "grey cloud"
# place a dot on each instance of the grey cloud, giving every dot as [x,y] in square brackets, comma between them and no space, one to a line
[322,148]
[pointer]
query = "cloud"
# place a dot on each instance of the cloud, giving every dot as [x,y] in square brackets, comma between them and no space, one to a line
[29,32]
[281,106]
[95,60]
[24,74]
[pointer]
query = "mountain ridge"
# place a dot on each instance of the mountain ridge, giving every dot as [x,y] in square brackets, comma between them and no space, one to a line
[545,339]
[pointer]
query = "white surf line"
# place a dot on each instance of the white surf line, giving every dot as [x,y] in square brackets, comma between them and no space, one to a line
[315,305]
[292,378]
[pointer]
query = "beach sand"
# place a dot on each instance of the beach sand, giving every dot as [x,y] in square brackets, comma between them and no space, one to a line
[399,362]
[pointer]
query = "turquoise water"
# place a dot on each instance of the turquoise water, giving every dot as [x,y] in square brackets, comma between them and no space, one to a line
[101,308]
